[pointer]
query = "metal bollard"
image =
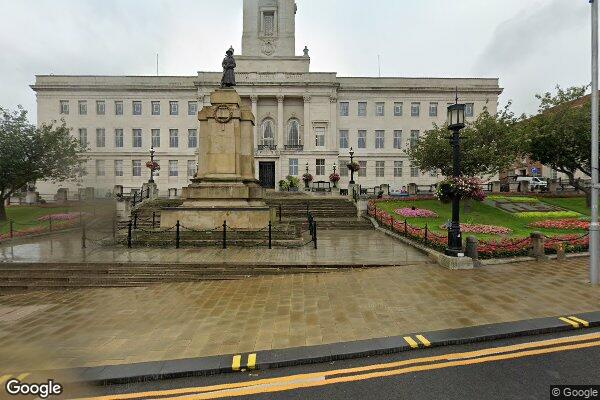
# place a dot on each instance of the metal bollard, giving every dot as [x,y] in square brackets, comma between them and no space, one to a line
[129,234]
[270,234]
[50,223]
[177,235]
[153,219]
[224,234]
[83,238]
[471,248]
[10,228]
[134,220]
[426,234]
[405,227]
[280,213]
[315,234]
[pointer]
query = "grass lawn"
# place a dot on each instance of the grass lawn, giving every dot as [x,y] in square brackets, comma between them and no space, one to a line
[29,215]
[480,214]
[569,203]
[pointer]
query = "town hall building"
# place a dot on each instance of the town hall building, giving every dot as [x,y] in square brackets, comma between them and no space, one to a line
[304,120]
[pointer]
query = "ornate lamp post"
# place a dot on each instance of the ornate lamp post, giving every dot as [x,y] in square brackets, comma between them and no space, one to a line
[352,170]
[456,121]
[334,167]
[151,180]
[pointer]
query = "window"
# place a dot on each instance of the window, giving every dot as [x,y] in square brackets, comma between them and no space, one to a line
[64,107]
[268,23]
[380,109]
[320,167]
[268,133]
[155,134]
[118,137]
[415,109]
[363,168]
[82,107]
[433,109]
[100,137]
[137,138]
[100,107]
[118,107]
[379,169]
[118,167]
[100,171]
[136,167]
[155,107]
[191,168]
[173,108]
[343,167]
[83,137]
[414,138]
[397,139]
[362,108]
[173,138]
[554,174]
[362,139]
[137,108]
[344,139]
[469,109]
[397,109]
[344,106]
[192,138]
[173,171]
[398,168]
[192,108]
[320,136]
[414,171]
[433,173]
[294,132]
[293,166]
[379,139]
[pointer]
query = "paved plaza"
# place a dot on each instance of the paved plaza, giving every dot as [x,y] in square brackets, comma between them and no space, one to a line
[90,327]
[335,247]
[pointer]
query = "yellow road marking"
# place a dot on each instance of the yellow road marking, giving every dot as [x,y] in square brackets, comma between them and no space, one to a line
[235,365]
[423,340]
[252,361]
[419,368]
[23,376]
[581,321]
[568,321]
[443,357]
[4,378]
[411,342]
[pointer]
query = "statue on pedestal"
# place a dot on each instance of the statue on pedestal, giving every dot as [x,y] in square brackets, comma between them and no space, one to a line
[228,79]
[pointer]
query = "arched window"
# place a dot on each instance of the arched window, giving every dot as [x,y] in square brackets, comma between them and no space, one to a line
[293,138]
[267,132]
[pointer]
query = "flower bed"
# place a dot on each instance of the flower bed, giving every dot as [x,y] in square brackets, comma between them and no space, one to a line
[574,224]
[514,199]
[485,229]
[416,213]
[547,214]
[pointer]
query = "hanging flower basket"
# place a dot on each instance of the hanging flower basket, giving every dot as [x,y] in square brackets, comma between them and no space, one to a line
[463,188]
[334,178]
[307,178]
[353,166]
[153,165]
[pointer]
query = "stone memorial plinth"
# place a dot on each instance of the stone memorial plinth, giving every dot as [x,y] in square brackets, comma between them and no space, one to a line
[225,187]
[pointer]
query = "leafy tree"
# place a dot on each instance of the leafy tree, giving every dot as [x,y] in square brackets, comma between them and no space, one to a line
[559,136]
[489,144]
[29,153]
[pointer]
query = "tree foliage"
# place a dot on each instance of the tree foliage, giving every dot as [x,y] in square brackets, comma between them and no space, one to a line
[559,136]
[29,153]
[489,144]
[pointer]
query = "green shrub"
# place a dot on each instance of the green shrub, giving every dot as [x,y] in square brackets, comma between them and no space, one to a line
[284,185]
[293,181]
[514,199]
[547,214]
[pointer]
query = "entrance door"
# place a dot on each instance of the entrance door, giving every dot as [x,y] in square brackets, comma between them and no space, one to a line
[266,174]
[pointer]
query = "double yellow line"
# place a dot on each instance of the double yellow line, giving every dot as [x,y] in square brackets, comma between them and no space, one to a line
[323,378]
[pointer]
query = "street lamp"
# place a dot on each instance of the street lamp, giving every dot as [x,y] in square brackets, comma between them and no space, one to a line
[334,167]
[351,170]
[456,121]
[151,180]
[307,168]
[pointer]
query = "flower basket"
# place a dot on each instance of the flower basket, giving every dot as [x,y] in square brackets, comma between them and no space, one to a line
[353,166]
[307,178]
[334,178]
[153,165]
[461,187]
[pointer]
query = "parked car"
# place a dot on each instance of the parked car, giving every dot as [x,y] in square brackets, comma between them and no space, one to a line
[534,182]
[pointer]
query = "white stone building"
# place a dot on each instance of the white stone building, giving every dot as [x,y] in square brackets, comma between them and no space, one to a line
[303,118]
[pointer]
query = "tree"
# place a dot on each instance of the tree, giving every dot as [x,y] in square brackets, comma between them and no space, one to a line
[559,136]
[29,154]
[490,144]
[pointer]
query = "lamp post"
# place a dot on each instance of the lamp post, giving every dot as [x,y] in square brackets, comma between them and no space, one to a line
[594,227]
[351,170]
[334,167]
[151,180]
[456,121]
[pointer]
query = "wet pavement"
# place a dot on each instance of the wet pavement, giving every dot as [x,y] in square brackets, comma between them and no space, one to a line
[85,327]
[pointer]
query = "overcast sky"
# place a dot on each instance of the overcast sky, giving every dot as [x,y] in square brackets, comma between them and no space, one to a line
[531,45]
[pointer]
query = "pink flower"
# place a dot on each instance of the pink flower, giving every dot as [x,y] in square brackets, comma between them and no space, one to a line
[416,213]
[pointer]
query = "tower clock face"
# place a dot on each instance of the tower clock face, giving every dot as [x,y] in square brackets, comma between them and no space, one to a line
[223,114]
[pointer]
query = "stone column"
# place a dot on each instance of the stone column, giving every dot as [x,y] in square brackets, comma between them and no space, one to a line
[307,125]
[331,141]
[280,134]
[496,186]
[254,99]
[537,246]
